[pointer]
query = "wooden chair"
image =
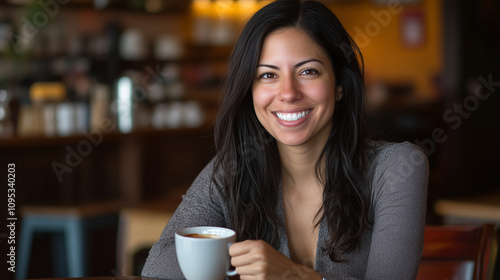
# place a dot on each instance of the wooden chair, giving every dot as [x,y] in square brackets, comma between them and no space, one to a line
[459,252]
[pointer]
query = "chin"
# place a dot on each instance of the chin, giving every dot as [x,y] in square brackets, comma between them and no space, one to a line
[292,142]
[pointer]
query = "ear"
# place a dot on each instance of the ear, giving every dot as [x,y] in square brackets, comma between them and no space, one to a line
[340,93]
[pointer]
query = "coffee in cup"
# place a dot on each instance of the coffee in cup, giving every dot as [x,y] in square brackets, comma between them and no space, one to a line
[199,235]
[203,252]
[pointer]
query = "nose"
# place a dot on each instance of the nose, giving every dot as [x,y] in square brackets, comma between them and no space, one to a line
[290,90]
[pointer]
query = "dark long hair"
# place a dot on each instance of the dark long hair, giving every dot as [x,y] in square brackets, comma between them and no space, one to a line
[248,156]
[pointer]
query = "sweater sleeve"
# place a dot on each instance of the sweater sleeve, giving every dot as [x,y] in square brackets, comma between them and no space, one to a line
[202,205]
[399,197]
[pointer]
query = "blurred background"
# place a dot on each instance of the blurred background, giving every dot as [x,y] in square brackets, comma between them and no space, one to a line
[106,109]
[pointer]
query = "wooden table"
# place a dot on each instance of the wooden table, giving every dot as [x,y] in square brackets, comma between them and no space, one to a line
[484,208]
[101,278]
[473,210]
[113,278]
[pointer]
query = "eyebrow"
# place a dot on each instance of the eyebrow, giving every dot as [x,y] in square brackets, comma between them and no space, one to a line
[295,66]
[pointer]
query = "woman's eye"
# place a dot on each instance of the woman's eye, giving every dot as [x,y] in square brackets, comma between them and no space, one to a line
[267,76]
[309,72]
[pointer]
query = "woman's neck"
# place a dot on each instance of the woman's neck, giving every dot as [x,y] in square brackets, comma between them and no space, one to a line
[299,165]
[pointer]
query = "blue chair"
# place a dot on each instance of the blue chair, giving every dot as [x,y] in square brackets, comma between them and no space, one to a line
[70,247]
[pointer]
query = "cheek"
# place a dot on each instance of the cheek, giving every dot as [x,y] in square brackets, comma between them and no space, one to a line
[262,97]
[322,93]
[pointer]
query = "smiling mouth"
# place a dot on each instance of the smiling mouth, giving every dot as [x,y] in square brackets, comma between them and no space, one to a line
[292,116]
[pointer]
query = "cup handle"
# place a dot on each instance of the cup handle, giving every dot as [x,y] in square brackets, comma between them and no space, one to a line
[230,272]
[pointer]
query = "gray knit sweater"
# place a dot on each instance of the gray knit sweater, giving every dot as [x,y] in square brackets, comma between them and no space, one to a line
[390,250]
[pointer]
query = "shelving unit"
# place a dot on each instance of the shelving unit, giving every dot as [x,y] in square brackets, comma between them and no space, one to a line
[132,167]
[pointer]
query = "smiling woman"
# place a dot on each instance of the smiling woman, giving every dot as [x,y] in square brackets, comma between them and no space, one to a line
[307,193]
[294,90]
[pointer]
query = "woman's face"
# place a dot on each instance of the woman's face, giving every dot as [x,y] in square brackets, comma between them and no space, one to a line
[294,89]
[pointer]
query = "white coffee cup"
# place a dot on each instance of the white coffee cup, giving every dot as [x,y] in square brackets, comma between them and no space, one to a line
[204,258]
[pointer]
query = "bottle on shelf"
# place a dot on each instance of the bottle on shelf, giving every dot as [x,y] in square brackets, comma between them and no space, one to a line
[46,115]
[6,123]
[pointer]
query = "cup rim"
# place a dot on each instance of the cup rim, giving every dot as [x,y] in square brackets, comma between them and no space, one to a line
[196,229]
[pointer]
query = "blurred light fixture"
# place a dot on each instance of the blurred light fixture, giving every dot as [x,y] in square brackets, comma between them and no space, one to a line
[247,2]
[207,2]
[201,5]
[224,6]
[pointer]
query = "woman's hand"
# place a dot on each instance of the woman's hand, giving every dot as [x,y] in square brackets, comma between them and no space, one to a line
[257,260]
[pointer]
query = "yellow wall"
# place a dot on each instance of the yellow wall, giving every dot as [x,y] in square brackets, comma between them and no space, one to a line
[386,58]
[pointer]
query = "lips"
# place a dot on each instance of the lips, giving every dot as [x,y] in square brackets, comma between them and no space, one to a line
[292,116]
[290,119]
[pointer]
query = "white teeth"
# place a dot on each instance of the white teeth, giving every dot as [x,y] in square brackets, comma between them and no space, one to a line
[292,117]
